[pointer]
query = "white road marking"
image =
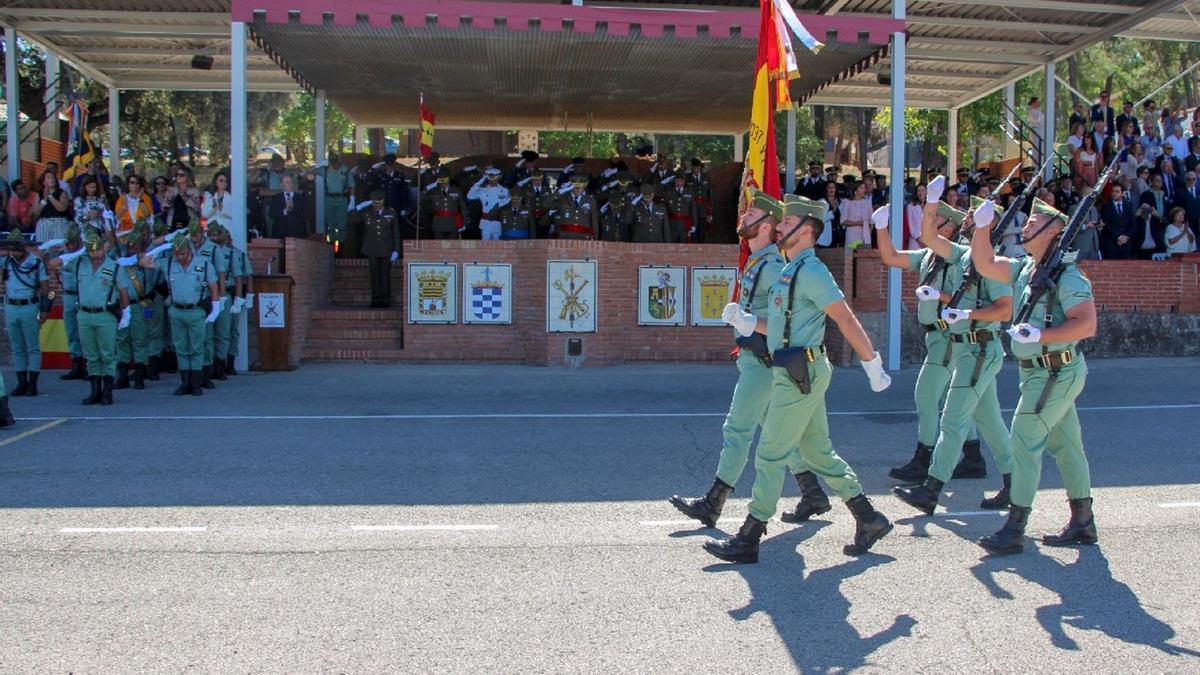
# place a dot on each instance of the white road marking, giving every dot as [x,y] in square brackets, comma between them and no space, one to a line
[1179,505]
[535,416]
[422,528]
[675,523]
[115,530]
[25,434]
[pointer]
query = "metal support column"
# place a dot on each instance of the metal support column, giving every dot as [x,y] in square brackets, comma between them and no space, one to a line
[320,157]
[237,164]
[789,185]
[739,150]
[114,133]
[1048,110]
[898,145]
[12,89]
[1011,149]
[952,146]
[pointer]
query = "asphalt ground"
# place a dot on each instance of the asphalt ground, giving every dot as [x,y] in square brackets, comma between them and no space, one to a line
[455,518]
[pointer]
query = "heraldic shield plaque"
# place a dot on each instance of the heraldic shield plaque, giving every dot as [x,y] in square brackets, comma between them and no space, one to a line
[432,293]
[571,296]
[712,289]
[662,296]
[487,293]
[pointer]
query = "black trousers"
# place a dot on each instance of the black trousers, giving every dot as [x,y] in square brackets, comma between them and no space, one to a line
[380,269]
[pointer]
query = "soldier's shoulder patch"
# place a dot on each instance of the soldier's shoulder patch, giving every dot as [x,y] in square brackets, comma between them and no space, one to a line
[199,268]
[107,271]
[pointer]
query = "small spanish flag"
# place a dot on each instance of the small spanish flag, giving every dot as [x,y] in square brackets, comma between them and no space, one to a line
[52,338]
[426,129]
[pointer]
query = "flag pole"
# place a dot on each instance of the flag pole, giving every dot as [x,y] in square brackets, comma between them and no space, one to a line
[420,160]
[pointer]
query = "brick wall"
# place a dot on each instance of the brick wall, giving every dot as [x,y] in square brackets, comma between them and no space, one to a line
[310,264]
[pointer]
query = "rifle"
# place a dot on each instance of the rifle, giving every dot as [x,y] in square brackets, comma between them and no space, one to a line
[1047,273]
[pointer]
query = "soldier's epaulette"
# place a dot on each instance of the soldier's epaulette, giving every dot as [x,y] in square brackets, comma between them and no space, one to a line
[785,278]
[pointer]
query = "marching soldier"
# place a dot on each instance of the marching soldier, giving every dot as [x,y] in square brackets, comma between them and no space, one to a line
[516,219]
[799,302]
[647,219]
[205,249]
[753,390]
[103,308]
[137,288]
[681,210]
[615,214]
[190,282]
[339,186]
[576,215]
[27,302]
[444,208]
[977,356]
[381,247]
[66,279]
[1052,376]
[701,186]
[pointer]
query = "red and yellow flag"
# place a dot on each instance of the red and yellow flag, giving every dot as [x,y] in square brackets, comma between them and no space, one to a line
[426,130]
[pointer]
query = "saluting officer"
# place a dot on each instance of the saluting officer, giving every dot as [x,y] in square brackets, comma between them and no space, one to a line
[444,207]
[799,302]
[647,219]
[72,242]
[540,201]
[752,393]
[190,283]
[516,218]
[701,186]
[577,216]
[381,247]
[101,301]
[615,215]
[27,302]
[682,213]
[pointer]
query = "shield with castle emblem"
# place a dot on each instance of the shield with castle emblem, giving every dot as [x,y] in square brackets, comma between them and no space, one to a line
[712,289]
[432,293]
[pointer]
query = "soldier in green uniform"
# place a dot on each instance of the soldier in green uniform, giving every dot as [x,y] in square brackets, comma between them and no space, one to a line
[205,249]
[682,214]
[576,215]
[799,302]
[977,355]
[241,274]
[66,279]
[27,302]
[101,301]
[938,280]
[133,344]
[190,282]
[223,326]
[647,218]
[1052,377]
[381,247]
[443,207]
[162,354]
[753,390]
[615,213]
[339,185]
[516,218]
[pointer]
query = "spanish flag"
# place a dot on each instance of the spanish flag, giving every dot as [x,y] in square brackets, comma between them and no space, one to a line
[80,149]
[426,129]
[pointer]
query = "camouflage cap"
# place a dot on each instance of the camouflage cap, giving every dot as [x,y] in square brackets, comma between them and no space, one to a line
[795,205]
[954,215]
[1042,207]
[14,238]
[761,200]
[977,202]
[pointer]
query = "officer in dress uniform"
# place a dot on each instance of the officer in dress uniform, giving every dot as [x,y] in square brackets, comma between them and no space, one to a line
[615,214]
[647,219]
[524,169]
[516,218]
[66,279]
[103,309]
[492,196]
[660,175]
[137,285]
[1052,372]
[812,186]
[339,187]
[205,249]
[577,216]
[753,390]
[394,185]
[444,208]
[472,210]
[681,210]
[381,247]
[799,302]
[189,281]
[27,302]
[540,201]
[701,186]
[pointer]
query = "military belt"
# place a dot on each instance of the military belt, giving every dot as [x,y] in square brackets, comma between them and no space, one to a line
[1052,360]
[70,292]
[19,303]
[575,228]
[974,337]
[180,305]
[93,310]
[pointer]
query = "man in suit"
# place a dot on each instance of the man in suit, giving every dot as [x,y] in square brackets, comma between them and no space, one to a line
[1118,216]
[1152,223]
[1189,199]
[286,209]
[1171,170]
[1103,111]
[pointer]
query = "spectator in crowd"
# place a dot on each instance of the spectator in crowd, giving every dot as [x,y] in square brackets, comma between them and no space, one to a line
[183,200]
[1103,112]
[1192,161]
[1108,150]
[914,213]
[1087,161]
[20,207]
[1075,140]
[1120,226]
[833,215]
[1127,115]
[52,210]
[1141,180]
[1157,200]
[1178,145]
[1135,159]
[1127,137]
[217,206]
[98,172]
[1172,177]
[287,212]
[159,199]
[1180,236]
[90,206]
[1150,140]
[1098,134]
[1087,242]
[856,217]
[882,193]
[52,167]
[1078,116]
[955,199]
[1150,115]
[1189,199]
[134,206]
[1152,221]
[1010,238]
[127,171]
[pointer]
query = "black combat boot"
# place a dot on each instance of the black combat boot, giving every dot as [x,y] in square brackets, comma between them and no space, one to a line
[923,497]
[94,397]
[229,369]
[170,362]
[705,509]
[106,387]
[1008,539]
[743,547]
[6,418]
[1000,501]
[154,368]
[76,372]
[813,501]
[869,525]
[206,377]
[139,376]
[185,385]
[22,383]
[195,386]
[33,378]
[122,376]
[1080,530]
[218,369]
[971,465]
[917,468]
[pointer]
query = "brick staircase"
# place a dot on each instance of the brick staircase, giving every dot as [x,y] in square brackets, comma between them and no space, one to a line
[346,329]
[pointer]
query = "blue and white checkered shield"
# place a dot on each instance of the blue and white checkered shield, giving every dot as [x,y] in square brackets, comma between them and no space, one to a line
[487,302]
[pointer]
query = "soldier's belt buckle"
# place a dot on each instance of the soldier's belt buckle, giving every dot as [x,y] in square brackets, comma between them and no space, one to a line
[1066,357]
[811,357]
[942,325]
[972,337]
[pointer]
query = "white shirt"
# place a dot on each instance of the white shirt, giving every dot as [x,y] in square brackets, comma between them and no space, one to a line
[488,196]
[1178,147]
[1184,245]
[216,209]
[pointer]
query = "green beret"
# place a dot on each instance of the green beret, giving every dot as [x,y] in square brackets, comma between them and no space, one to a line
[794,205]
[766,202]
[977,202]
[1040,206]
[72,235]
[180,243]
[194,228]
[947,211]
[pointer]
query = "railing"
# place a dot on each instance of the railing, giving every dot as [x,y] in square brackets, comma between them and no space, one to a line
[1029,141]
[42,117]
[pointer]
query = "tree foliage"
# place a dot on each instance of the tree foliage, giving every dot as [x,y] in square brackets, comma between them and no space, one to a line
[297,125]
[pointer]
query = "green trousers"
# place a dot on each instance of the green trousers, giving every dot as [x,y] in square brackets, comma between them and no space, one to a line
[932,383]
[98,338]
[235,332]
[335,218]
[797,420]
[221,330]
[966,403]
[156,328]
[747,409]
[188,333]
[208,348]
[23,331]
[132,341]
[1054,430]
[71,323]
[3,386]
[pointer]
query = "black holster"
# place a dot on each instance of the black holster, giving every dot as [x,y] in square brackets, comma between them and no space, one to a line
[756,344]
[795,360]
[115,310]
[207,305]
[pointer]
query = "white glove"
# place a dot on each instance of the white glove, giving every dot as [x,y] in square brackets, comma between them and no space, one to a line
[744,322]
[880,380]
[350,206]
[952,316]
[565,189]
[249,300]
[604,209]
[395,255]
[157,250]
[126,315]
[216,311]
[68,257]
[928,293]
[985,214]
[524,181]
[321,164]
[666,180]
[47,245]
[431,186]
[636,200]
[364,206]
[880,217]
[128,261]
[935,189]
[1025,334]
[469,169]
[376,165]
[238,303]
[692,231]
[608,172]
[520,162]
